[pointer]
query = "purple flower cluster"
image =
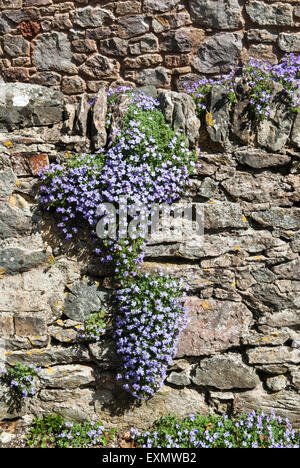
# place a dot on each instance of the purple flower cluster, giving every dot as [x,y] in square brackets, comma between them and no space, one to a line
[77,435]
[147,164]
[21,379]
[200,89]
[151,317]
[138,167]
[259,75]
[254,430]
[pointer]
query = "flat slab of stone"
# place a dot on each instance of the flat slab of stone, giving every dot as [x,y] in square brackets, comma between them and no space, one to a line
[26,105]
[225,373]
[213,326]
[258,159]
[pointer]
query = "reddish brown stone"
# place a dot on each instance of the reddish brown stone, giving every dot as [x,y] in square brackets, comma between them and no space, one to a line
[28,164]
[98,33]
[86,46]
[29,29]
[73,85]
[16,74]
[37,163]
[172,61]
[213,326]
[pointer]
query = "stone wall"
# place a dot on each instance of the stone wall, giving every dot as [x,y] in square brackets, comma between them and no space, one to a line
[241,349]
[76,46]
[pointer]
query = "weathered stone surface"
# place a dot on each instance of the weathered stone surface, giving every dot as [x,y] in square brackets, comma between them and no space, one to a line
[290,270]
[218,54]
[275,355]
[69,376]
[52,51]
[224,215]
[63,335]
[159,6]
[214,245]
[92,17]
[10,4]
[289,42]
[285,403]
[242,124]
[263,52]
[149,43]
[16,46]
[127,8]
[6,327]
[98,130]
[159,77]
[277,383]
[14,260]
[30,325]
[225,373]
[186,401]
[24,105]
[180,112]
[273,133]
[271,296]
[6,409]
[258,189]
[99,66]
[296,378]
[73,85]
[7,184]
[104,354]
[131,26]
[284,218]
[144,61]
[51,356]
[278,14]
[118,114]
[14,222]
[83,299]
[219,107]
[261,35]
[29,29]
[295,136]
[213,326]
[216,14]
[114,46]
[207,188]
[192,275]
[256,159]
[180,375]
[276,338]
[81,116]
[6,438]
[181,40]
[284,318]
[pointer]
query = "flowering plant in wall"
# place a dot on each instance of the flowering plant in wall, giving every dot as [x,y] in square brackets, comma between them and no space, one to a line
[259,77]
[21,379]
[148,163]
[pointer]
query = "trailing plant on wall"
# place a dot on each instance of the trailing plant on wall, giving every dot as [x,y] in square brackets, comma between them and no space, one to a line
[150,319]
[259,77]
[21,379]
[148,163]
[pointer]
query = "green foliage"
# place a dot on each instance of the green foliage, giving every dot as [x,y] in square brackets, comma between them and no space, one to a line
[94,327]
[21,378]
[53,431]
[43,432]
[253,430]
